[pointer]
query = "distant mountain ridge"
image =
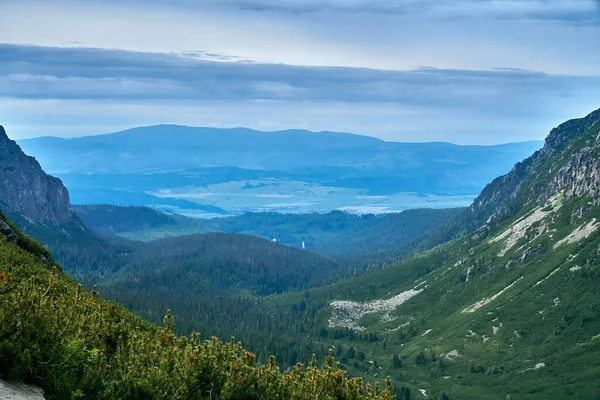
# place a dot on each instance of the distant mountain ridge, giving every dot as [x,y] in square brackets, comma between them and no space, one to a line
[193,147]
[122,167]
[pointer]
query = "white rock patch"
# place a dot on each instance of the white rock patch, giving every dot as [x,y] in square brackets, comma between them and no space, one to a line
[474,307]
[538,366]
[556,302]
[546,278]
[388,318]
[422,283]
[19,391]
[469,271]
[579,233]
[518,229]
[423,392]
[575,268]
[451,354]
[347,314]
[427,332]
[401,325]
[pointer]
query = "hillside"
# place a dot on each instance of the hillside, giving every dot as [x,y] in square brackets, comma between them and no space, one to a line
[39,205]
[507,311]
[562,164]
[229,262]
[72,344]
[335,232]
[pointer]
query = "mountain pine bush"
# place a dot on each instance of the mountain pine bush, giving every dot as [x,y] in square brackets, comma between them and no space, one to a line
[74,345]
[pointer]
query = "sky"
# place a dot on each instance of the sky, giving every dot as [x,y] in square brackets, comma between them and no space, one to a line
[461,71]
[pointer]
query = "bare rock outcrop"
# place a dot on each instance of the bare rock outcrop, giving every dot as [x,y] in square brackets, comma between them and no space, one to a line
[579,176]
[27,190]
[19,391]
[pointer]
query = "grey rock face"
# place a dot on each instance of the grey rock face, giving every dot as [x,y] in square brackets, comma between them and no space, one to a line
[579,177]
[19,391]
[26,189]
[530,252]
[8,233]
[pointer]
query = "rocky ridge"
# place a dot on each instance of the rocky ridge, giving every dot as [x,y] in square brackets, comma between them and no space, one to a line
[27,190]
[539,177]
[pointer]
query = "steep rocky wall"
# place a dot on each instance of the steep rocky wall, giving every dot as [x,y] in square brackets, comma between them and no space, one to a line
[496,199]
[26,189]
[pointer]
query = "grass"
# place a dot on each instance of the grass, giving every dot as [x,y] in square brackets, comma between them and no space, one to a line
[563,334]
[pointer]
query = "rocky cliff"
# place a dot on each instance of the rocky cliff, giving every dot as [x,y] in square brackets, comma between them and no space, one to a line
[27,190]
[19,391]
[563,164]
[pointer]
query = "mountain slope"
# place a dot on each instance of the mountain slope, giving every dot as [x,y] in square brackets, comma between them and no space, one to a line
[228,262]
[75,345]
[335,232]
[508,311]
[27,190]
[39,205]
[529,183]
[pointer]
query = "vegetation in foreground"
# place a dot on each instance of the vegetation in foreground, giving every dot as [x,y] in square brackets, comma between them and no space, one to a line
[75,345]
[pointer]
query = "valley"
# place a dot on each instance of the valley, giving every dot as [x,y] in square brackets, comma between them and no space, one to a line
[497,300]
[299,200]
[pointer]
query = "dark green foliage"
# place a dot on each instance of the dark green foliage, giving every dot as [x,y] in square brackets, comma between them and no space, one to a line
[115,219]
[75,345]
[405,394]
[355,239]
[26,243]
[396,361]
[216,262]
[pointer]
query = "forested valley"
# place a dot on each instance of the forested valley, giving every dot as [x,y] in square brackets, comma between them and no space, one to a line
[485,302]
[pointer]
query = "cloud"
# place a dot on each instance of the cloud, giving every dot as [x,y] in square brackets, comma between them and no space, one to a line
[79,73]
[75,91]
[569,11]
[398,35]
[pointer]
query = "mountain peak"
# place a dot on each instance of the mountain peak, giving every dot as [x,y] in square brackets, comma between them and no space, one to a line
[569,129]
[27,190]
[546,172]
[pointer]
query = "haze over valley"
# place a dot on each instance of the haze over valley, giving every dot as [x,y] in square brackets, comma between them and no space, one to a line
[207,172]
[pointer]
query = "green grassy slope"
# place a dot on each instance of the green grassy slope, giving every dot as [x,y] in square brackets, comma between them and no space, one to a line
[475,316]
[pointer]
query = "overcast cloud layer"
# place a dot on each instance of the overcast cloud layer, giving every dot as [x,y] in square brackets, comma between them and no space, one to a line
[465,71]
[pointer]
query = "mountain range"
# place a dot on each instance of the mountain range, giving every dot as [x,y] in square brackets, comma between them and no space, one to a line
[505,308]
[244,170]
